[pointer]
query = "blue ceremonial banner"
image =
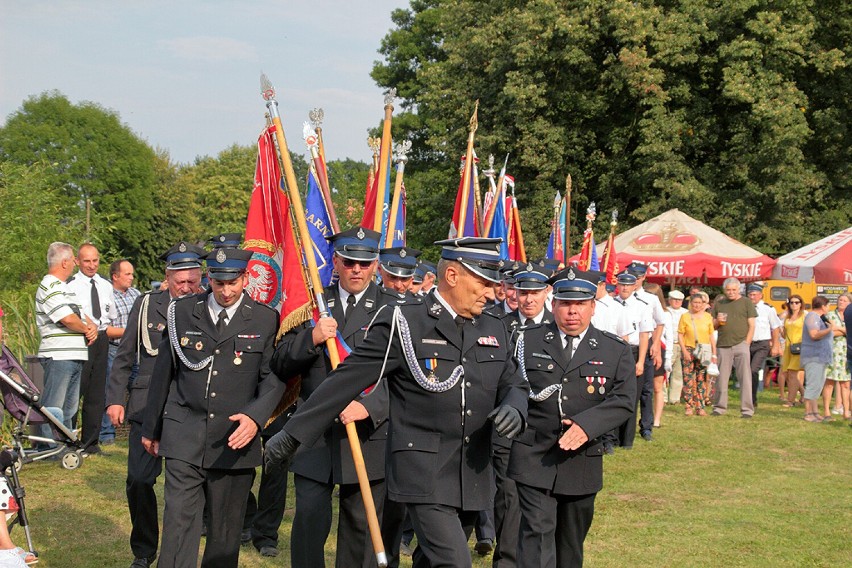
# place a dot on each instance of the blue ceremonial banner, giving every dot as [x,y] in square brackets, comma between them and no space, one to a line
[398,234]
[319,227]
[499,226]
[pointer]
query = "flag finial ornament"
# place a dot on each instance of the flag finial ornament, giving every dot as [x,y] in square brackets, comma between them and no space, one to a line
[315,116]
[266,88]
[375,144]
[474,121]
[591,212]
[490,172]
[401,150]
[390,95]
[310,135]
[614,217]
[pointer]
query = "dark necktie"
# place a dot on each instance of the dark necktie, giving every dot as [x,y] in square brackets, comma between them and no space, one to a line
[350,304]
[96,301]
[569,346]
[220,325]
[460,321]
[528,322]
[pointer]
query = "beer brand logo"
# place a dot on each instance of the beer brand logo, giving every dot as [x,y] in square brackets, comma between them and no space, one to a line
[672,237]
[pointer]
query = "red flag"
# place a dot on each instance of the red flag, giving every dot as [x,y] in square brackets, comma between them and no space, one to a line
[610,263]
[586,251]
[275,272]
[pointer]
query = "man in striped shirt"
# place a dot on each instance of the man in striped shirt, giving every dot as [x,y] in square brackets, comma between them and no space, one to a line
[64,335]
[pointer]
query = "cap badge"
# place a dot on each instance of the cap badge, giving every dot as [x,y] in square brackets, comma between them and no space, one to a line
[402,253]
[360,234]
[529,267]
[221,238]
[571,275]
[182,247]
[220,256]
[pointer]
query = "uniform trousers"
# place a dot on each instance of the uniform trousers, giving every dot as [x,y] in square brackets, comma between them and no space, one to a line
[142,472]
[442,534]
[187,489]
[645,388]
[759,351]
[553,527]
[736,356]
[312,524]
[507,512]
[93,390]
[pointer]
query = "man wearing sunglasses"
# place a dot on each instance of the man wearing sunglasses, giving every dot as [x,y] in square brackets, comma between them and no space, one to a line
[449,370]
[353,302]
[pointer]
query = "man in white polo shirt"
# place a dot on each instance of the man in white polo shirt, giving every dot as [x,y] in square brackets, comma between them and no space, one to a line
[64,335]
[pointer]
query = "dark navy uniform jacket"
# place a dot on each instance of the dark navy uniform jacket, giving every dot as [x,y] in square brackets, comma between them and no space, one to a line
[329,458]
[151,324]
[189,416]
[439,445]
[598,393]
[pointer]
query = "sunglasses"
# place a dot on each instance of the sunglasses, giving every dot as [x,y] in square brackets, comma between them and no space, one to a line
[795,302]
[349,263]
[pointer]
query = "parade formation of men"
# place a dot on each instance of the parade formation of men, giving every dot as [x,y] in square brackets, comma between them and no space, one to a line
[480,390]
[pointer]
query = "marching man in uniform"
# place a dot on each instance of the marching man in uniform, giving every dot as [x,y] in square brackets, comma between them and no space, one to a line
[211,392]
[449,373]
[582,385]
[137,353]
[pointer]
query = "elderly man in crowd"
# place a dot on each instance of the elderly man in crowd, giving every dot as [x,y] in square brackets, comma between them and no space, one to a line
[767,330]
[734,317]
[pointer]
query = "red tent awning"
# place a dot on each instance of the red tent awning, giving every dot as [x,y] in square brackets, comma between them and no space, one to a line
[678,248]
[827,261]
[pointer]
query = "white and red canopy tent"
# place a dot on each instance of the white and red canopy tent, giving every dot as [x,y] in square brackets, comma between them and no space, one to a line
[681,250]
[827,261]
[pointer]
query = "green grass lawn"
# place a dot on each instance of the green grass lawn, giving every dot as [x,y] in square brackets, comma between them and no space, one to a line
[712,491]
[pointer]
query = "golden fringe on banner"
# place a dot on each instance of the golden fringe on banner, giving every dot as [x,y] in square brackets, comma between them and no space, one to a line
[294,384]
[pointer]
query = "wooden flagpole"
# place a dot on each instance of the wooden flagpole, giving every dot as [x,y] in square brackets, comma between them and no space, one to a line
[312,141]
[268,93]
[383,161]
[401,158]
[566,246]
[468,168]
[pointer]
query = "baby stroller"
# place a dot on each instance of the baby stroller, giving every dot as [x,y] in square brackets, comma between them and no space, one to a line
[23,402]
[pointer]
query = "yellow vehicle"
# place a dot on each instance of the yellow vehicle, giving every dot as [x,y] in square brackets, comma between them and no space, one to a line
[776,292]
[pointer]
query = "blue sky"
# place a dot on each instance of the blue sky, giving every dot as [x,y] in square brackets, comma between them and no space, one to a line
[185,75]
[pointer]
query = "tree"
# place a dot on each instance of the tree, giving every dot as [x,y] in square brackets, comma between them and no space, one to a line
[34,214]
[727,110]
[94,160]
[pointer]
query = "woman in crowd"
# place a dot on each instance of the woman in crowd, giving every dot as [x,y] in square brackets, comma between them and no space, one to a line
[695,327]
[838,375]
[817,338]
[667,341]
[791,366]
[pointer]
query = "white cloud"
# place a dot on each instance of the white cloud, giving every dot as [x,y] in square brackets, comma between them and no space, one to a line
[209,49]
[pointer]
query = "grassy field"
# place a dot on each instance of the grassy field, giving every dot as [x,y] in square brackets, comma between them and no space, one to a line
[713,491]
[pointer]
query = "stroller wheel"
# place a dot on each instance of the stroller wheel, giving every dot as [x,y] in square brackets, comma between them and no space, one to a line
[71,460]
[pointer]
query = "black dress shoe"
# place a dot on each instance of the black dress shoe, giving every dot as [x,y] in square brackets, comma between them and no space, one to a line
[646,435]
[608,448]
[270,551]
[143,562]
[245,537]
[484,547]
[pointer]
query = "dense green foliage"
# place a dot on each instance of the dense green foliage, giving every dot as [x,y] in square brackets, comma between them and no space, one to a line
[734,111]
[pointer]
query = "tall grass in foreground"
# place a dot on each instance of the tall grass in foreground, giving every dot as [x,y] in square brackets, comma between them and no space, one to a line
[773,491]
